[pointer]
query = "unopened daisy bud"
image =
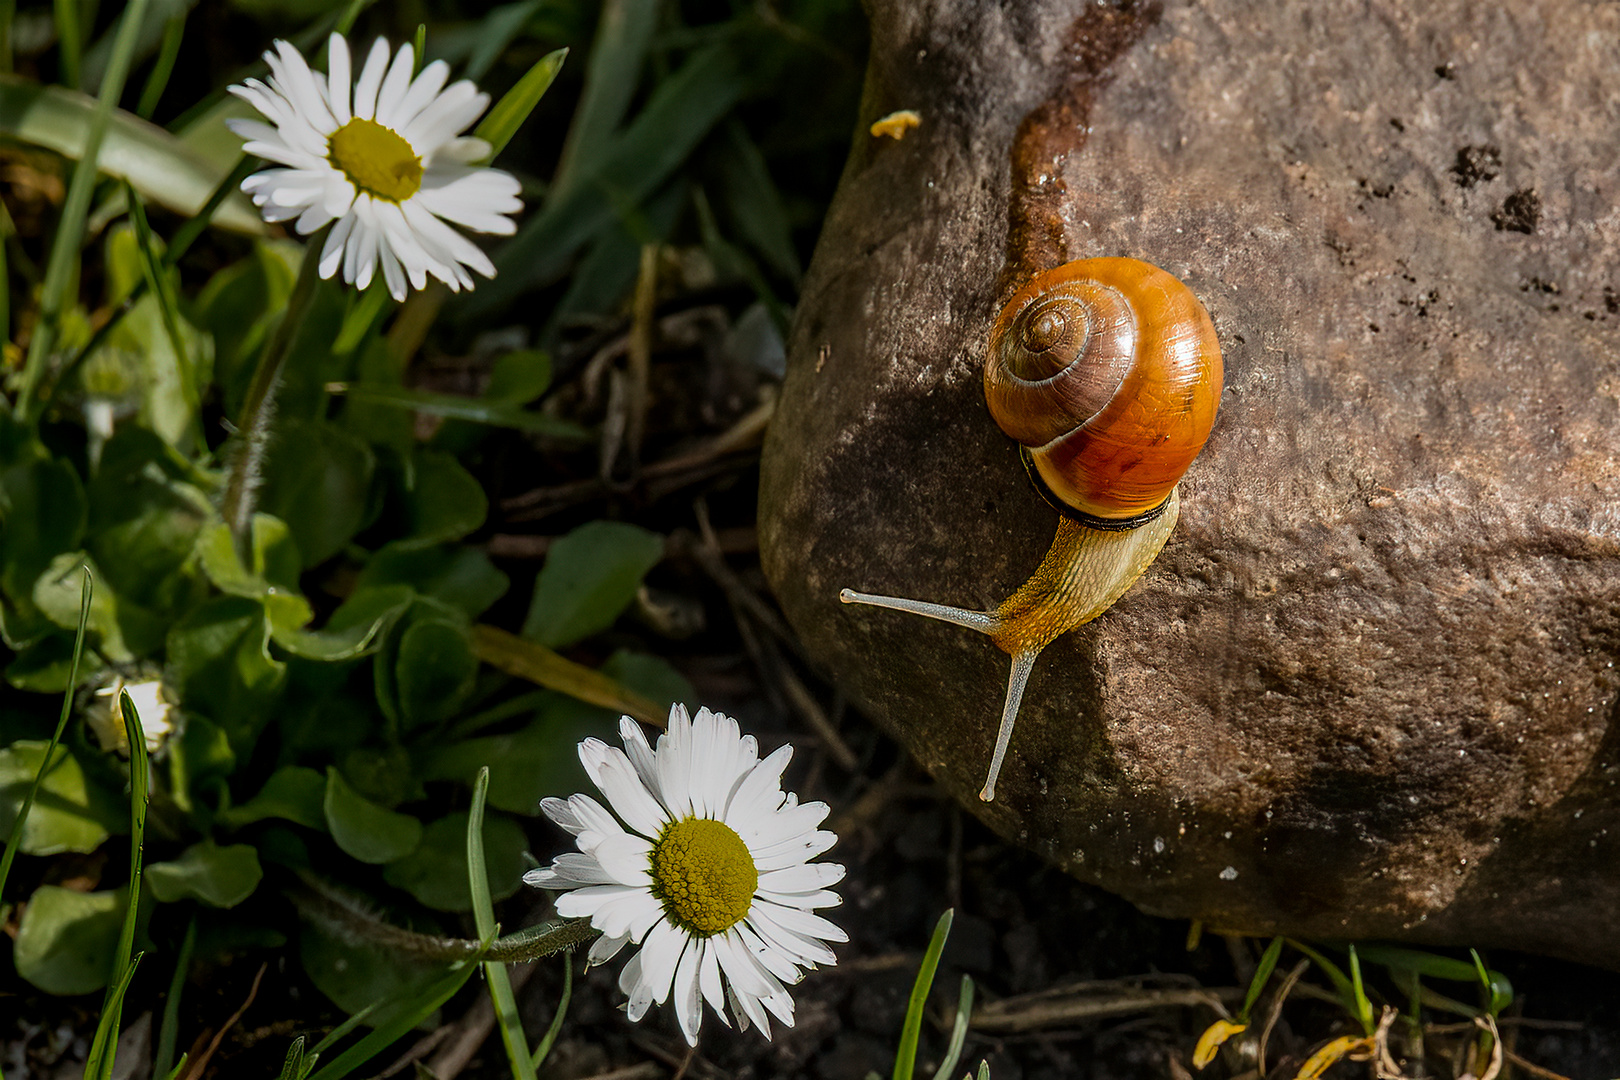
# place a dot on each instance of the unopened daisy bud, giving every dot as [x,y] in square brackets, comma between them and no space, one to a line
[106,718]
[382,161]
[704,862]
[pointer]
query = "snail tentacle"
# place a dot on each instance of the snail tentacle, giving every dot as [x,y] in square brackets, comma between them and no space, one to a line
[985,622]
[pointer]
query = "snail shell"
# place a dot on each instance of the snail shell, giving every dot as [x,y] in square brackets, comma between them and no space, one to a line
[1108,371]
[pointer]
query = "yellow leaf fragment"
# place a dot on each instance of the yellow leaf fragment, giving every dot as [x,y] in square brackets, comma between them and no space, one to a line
[896,124]
[1212,1038]
[1323,1059]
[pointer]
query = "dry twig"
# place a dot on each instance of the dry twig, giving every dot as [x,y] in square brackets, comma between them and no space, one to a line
[196,1068]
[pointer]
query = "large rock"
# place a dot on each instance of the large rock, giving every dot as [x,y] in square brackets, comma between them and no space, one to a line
[1368,689]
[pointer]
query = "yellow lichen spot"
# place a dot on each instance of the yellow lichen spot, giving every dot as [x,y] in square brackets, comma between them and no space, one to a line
[704,875]
[376,159]
[896,124]
[1212,1038]
[1352,1046]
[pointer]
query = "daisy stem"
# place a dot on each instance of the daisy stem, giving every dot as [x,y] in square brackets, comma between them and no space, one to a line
[259,406]
[327,906]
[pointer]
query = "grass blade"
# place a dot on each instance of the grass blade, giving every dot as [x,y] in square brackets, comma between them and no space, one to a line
[612,73]
[168,1035]
[1364,1009]
[480,411]
[86,590]
[1498,994]
[544,667]
[500,987]
[509,113]
[8,12]
[495,33]
[1262,975]
[69,40]
[64,259]
[104,1047]
[683,110]
[905,1059]
[959,1030]
[423,1005]
[161,167]
[292,1067]
[163,67]
[543,1050]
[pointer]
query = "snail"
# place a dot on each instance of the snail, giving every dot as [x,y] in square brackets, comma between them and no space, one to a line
[1107,372]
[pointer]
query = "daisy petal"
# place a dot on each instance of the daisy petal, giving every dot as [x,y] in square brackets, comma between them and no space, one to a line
[371,77]
[337,78]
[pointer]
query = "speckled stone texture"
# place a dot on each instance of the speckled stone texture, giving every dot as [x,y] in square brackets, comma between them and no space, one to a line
[1368,689]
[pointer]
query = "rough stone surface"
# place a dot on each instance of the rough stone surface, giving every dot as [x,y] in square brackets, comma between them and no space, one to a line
[1368,689]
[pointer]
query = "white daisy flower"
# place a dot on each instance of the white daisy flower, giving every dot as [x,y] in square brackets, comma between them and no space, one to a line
[709,871]
[384,159]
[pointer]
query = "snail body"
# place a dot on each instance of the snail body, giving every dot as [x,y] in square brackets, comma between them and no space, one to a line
[1108,374]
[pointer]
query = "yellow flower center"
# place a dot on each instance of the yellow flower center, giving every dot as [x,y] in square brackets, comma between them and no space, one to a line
[703,875]
[376,158]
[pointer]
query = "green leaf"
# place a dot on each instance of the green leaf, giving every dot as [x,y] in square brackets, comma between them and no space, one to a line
[276,562]
[445,503]
[519,376]
[156,163]
[434,670]
[71,812]
[680,113]
[221,877]
[293,793]
[502,122]
[219,661]
[317,480]
[42,515]
[365,830]
[460,576]
[202,753]
[436,872]
[239,305]
[66,939]
[56,595]
[652,677]
[525,765]
[355,629]
[590,576]
[144,521]
[43,667]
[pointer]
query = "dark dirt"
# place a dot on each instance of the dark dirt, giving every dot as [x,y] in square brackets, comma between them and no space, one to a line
[1020,927]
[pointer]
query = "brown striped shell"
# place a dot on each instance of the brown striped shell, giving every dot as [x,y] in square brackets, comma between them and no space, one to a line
[1109,372]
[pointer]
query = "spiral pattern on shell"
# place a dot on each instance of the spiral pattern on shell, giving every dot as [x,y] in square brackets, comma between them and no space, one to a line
[1109,372]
